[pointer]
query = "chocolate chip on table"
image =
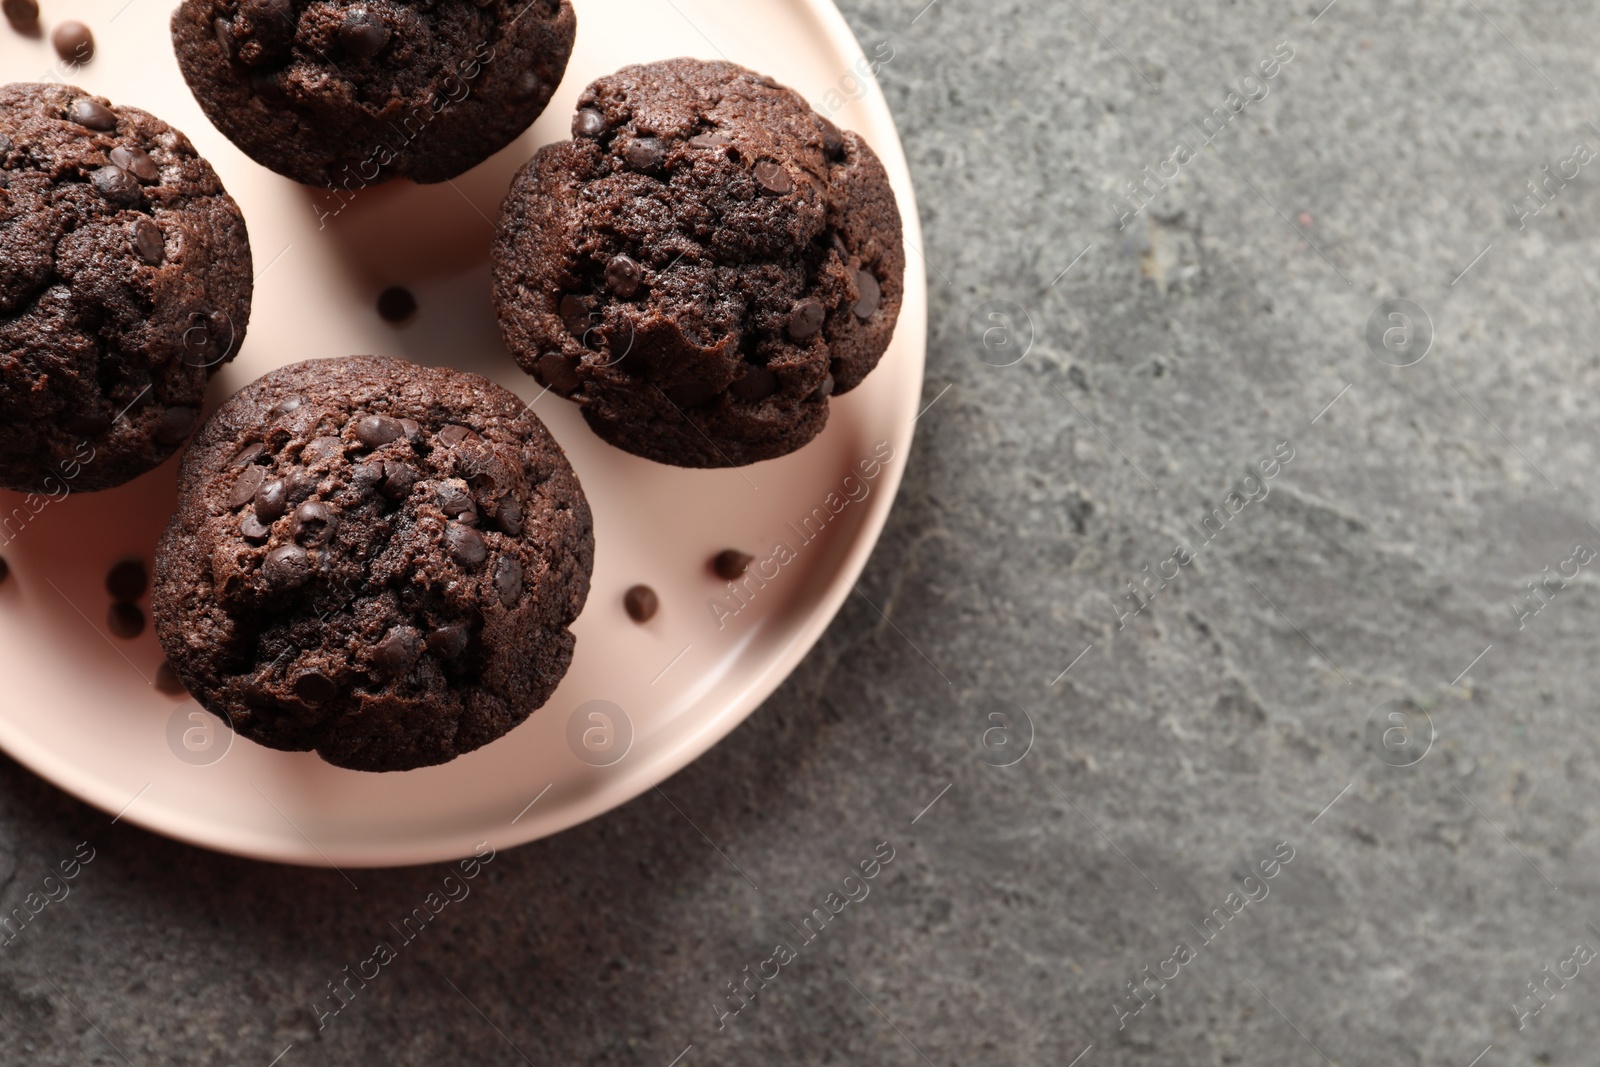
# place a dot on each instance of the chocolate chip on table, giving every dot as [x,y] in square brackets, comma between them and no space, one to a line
[147,241]
[871,295]
[623,275]
[125,621]
[5,570]
[136,161]
[22,14]
[314,687]
[91,114]
[805,321]
[559,372]
[396,304]
[175,425]
[72,40]
[397,652]
[730,564]
[127,581]
[272,500]
[758,383]
[244,490]
[508,580]
[832,139]
[287,567]
[376,430]
[362,34]
[312,523]
[641,603]
[588,123]
[448,642]
[773,178]
[466,544]
[167,680]
[509,516]
[645,153]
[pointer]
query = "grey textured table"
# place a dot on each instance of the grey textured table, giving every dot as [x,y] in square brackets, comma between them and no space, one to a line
[1408,583]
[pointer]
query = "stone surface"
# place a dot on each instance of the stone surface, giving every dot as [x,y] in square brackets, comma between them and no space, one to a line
[1181,748]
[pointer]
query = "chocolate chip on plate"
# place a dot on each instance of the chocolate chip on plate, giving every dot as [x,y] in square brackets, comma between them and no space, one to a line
[396,304]
[127,581]
[730,564]
[641,603]
[22,14]
[5,570]
[73,41]
[125,621]
[167,680]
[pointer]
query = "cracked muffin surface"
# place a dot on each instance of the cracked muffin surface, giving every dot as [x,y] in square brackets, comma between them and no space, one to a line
[125,282]
[345,95]
[701,266]
[374,560]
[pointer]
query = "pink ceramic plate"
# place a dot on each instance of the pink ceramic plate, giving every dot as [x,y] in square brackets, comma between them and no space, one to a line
[640,702]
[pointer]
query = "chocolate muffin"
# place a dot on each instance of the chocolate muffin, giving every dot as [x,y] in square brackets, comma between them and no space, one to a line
[125,282]
[348,94]
[375,560]
[701,266]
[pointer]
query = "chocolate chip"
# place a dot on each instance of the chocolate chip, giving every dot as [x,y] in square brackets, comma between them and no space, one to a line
[135,161]
[823,391]
[399,649]
[641,603]
[832,139]
[312,524]
[125,621]
[412,428]
[127,581]
[362,34]
[396,304]
[147,240]
[871,295]
[167,680]
[285,406]
[5,570]
[730,564]
[559,372]
[22,14]
[452,435]
[319,449]
[222,30]
[314,687]
[588,123]
[806,319]
[466,544]
[248,455]
[645,153]
[244,490]
[456,502]
[252,528]
[758,383]
[773,178]
[690,394]
[287,567]
[575,315]
[175,425]
[367,475]
[507,580]
[448,642]
[115,184]
[72,40]
[623,275]
[708,140]
[298,484]
[398,478]
[376,430]
[509,516]
[272,500]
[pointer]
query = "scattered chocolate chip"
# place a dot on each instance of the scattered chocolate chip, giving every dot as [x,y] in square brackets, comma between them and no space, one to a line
[825,390]
[623,275]
[758,383]
[466,544]
[396,304]
[645,153]
[398,478]
[806,319]
[5,570]
[452,435]
[312,523]
[252,528]
[167,680]
[72,40]
[287,567]
[448,642]
[125,621]
[641,603]
[730,564]
[559,372]
[147,240]
[509,516]
[127,581]
[690,394]
[314,687]
[871,295]
[588,123]
[285,406]
[248,454]
[272,500]
[773,178]
[136,161]
[115,184]
[175,425]
[22,14]
[399,649]
[244,490]
[708,140]
[362,34]
[507,580]
[376,430]
[832,139]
